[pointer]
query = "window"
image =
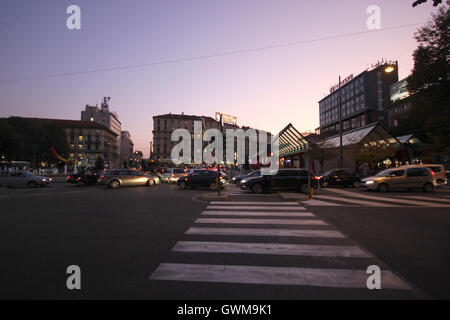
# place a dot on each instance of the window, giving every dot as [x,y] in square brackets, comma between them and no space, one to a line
[417,172]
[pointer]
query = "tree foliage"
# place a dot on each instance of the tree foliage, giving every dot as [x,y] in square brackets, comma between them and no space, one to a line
[435,2]
[23,139]
[429,117]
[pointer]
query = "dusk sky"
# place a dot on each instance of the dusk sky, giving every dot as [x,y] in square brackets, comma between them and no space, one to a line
[265,89]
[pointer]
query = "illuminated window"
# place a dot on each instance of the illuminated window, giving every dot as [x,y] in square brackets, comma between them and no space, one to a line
[80,138]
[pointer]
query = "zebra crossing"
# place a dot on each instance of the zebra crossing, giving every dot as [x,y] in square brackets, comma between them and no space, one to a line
[335,197]
[314,253]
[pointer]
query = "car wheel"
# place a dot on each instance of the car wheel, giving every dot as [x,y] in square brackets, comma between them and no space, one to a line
[440,183]
[182,185]
[257,188]
[383,187]
[32,184]
[325,184]
[212,186]
[428,187]
[151,183]
[114,184]
[356,184]
[304,188]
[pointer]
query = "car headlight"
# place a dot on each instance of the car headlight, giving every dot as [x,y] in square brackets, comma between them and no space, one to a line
[243,181]
[370,182]
[233,179]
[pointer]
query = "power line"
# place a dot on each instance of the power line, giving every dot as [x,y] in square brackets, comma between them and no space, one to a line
[215,55]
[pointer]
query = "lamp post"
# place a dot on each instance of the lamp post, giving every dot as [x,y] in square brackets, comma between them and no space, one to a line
[341,150]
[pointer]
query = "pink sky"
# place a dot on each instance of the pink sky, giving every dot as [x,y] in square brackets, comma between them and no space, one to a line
[265,89]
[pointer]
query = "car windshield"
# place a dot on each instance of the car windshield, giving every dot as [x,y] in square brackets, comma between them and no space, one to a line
[384,173]
[328,173]
[26,173]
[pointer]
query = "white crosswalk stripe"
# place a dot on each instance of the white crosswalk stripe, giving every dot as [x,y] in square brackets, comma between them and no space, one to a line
[351,198]
[258,213]
[262,221]
[270,248]
[299,240]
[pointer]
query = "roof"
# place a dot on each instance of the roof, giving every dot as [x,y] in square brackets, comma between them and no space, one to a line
[291,141]
[76,124]
[375,131]
[179,116]
[408,138]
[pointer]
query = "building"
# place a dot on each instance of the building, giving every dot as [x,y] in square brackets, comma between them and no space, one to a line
[164,125]
[87,141]
[126,148]
[106,118]
[400,104]
[358,101]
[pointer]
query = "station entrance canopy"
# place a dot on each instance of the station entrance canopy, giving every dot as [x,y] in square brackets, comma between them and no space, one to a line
[291,141]
[372,134]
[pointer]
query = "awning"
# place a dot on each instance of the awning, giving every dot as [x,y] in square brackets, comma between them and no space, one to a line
[372,133]
[410,138]
[291,141]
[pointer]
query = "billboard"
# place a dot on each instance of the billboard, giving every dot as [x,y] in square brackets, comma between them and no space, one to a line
[399,90]
[226,118]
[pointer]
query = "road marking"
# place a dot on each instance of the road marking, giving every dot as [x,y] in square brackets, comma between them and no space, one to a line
[334,278]
[258,213]
[425,198]
[256,207]
[262,221]
[270,249]
[256,203]
[355,201]
[396,200]
[321,203]
[266,232]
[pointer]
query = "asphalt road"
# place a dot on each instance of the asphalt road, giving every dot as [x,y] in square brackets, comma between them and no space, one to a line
[122,238]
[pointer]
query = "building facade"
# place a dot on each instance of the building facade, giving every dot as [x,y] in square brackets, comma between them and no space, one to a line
[87,141]
[164,125]
[358,101]
[400,104]
[106,118]
[126,148]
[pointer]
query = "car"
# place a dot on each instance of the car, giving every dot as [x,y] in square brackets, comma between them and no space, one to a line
[80,177]
[284,179]
[439,170]
[116,178]
[339,177]
[237,180]
[405,177]
[199,178]
[171,175]
[23,178]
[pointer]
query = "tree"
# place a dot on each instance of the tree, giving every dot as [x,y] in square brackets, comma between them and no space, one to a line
[373,153]
[322,152]
[435,2]
[429,86]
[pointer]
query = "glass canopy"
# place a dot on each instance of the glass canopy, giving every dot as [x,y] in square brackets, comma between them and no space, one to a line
[291,141]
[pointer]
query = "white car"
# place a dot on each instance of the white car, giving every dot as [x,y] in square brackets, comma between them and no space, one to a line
[23,178]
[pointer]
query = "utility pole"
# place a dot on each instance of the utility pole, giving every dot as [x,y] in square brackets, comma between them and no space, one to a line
[341,150]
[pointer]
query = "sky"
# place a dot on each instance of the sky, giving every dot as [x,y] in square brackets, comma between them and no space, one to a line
[264,89]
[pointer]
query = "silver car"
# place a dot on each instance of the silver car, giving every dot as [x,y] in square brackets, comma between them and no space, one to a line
[124,177]
[23,178]
[405,177]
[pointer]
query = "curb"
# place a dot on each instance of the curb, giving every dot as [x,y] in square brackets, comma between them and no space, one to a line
[214,197]
[298,197]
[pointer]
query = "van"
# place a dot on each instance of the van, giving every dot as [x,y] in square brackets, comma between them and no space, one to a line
[439,170]
[405,177]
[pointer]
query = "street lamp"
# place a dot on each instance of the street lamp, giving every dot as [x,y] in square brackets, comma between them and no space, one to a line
[389,69]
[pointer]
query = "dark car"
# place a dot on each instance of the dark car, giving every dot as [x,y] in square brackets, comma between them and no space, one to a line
[85,177]
[284,179]
[202,179]
[340,177]
[237,180]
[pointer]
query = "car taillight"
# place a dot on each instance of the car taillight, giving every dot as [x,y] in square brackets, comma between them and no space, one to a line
[433,174]
[79,178]
[173,175]
[68,177]
[316,178]
[102,176]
